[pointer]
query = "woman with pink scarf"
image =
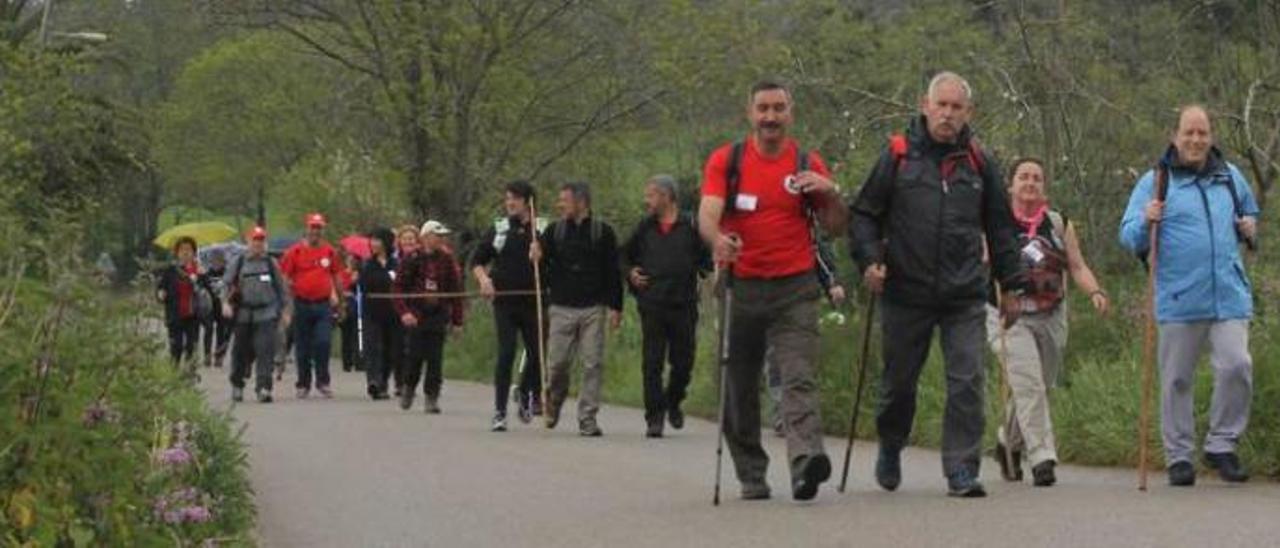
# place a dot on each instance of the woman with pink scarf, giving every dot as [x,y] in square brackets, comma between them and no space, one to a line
[1032,349]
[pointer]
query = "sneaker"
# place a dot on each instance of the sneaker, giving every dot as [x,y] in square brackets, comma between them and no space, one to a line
[264,396]
[755,490]
[589,429]
[1010,463]
[816,469]
[326,392]
[889,468]
[676,416]
[303,393]
[525,412]
[499,423]
[552,415]
[1228,467]
[432,405]
[654,430]
[1042,474]
[962,484]
[406,400]
[237,394]
[1182,474]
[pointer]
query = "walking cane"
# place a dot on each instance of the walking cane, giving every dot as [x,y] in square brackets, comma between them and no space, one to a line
[360,326]
[726,314]
[862,377]
[1003,362]
[537,298]
[1149,338]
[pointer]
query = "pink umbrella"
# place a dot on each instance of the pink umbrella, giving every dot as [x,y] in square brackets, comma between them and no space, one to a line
[357,245]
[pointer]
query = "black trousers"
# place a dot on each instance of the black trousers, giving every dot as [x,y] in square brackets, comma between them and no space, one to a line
[670,335]
[512,319]
[216,334]
[350,338]
[182,338]
[383,351]
[425,345]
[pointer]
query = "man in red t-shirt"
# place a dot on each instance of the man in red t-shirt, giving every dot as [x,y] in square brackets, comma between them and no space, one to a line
[762,237]
[312,267]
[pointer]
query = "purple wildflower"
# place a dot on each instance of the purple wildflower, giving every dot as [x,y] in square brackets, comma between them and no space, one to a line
[175,456]
[196,514]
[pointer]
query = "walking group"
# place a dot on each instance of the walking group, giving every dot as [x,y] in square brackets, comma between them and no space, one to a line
[944,239]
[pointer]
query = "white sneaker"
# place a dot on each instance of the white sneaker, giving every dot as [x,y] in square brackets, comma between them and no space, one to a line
[499,423]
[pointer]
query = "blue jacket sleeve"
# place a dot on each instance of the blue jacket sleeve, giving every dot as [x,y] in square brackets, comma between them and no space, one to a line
[1248,204]
[1134,233]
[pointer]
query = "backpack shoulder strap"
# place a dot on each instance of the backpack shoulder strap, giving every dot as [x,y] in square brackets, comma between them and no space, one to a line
[732,177]
[898,149]
[1059,225]
[802,160]
[976,161]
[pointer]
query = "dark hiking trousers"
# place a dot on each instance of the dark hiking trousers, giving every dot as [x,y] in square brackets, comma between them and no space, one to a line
[907,333]
[382,350]
[182,338]
[312,330]
[216,334]
[350,338]
[781,314]
[255,343]
[669,333]
[425,345]
[510,320]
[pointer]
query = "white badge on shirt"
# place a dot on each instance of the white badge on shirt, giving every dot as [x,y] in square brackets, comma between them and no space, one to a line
[392,273]
[324,263]
[747,202]
[265,278]
[1032,251]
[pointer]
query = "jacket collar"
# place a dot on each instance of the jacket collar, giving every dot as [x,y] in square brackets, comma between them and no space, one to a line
[1214,164]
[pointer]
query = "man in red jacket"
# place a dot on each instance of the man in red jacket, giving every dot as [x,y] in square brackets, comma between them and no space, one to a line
[427,319]
[312,267]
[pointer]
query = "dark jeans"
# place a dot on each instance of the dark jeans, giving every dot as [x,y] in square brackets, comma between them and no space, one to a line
[255,342]
[425,345]
[906,334]
[350,338]
[182,338]
[216,329]
[670,332]
[781,314]
[382,350]
[312,330]
[512,320]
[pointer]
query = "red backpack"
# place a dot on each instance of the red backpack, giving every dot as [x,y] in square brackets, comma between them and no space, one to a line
[898,148]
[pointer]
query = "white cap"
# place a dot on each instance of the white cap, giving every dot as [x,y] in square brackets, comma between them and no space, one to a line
[434,227]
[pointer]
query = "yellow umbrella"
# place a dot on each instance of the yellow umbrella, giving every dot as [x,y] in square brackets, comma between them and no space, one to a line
[204,233]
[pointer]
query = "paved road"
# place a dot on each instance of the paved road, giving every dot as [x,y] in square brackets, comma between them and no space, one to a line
[351,472]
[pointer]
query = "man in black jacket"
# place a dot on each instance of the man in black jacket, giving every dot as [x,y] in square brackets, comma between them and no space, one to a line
[501,263]
[918,231]
[582,267]
[663,260]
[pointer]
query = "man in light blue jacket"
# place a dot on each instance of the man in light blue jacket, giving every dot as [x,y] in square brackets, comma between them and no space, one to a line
[1205,212]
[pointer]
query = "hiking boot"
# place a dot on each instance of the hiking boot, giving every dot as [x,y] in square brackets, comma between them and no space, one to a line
[676,416]
[1228,467]
[432,405]
[304,393]
[816,469]
[1042,474]
[755,490]
[889,468]
[499,423]
[962,484]
[1010,463]
[406,400]
[654,430]
[237,394]
[1182,474]
[589,429]
[536,407]
[325,391]
[525,410]
[552,415]
[264,396]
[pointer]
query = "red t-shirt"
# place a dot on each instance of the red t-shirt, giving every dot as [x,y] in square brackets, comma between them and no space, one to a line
[775,234]
[311,270]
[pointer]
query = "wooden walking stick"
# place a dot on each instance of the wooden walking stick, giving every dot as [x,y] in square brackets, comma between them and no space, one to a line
[1005,391]
[1149,335]
[862,377]
[537,298]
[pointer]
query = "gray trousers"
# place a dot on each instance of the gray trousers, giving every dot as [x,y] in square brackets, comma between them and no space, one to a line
[576,332]
[1031,352]
[1180,345]
[907,333]
[780,314]
[255,342]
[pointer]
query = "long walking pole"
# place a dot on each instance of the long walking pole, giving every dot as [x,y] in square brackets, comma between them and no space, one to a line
[862,377]
[537,298]
[1003,363]
[726,315]
[1149,338]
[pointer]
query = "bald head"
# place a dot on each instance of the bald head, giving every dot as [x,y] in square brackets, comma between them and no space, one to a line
[1193,137]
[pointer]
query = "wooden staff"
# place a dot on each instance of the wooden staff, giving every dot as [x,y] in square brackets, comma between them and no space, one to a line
[537,297]
[1149,336]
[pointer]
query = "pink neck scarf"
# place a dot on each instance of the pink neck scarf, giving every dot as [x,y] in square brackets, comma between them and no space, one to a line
[1031,222]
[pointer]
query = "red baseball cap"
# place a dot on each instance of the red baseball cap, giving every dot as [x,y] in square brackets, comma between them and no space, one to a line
[258,233]
[315,219]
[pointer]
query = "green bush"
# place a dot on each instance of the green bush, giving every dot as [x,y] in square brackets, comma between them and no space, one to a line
[101,442]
